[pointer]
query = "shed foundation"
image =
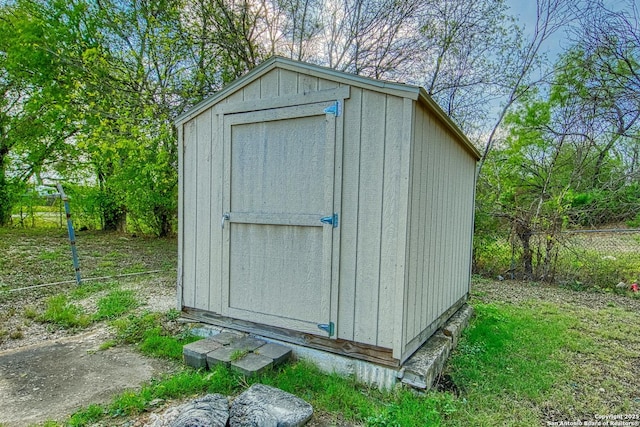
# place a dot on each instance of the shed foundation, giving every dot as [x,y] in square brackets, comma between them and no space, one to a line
[420,371]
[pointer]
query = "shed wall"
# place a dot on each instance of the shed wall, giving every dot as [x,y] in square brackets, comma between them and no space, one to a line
[371,215]
[440,225]
[406,211]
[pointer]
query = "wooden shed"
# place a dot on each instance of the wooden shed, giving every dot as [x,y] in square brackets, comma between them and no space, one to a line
[324,209]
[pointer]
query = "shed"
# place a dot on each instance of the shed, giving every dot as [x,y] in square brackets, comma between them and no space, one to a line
[324,209]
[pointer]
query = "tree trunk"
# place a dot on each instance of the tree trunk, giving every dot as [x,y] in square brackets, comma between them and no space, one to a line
[5,202]
[524,234]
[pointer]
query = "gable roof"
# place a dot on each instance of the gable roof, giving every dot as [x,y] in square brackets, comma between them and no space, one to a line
[397,89]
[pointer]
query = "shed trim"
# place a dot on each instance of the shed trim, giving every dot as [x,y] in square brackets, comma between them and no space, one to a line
[341,93]
[415,93]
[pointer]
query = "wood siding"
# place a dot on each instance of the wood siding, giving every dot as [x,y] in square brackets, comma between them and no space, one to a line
[440,226]
[404,189]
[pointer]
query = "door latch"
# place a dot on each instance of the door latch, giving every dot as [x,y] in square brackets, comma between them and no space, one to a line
[331,219]
[225,217]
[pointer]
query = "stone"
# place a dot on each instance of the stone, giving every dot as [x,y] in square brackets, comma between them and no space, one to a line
[195,353]
[211,410]
[252,364]
[265,406]
[276,352]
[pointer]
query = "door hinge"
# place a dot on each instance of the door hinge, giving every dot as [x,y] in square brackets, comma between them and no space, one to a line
[335,109]
[331,219]
[329,328]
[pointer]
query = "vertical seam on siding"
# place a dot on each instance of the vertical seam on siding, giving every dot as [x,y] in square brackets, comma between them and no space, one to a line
[384,146]
[357,234]
[210,216]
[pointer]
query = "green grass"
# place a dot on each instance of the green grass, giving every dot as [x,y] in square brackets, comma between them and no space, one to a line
[115,304]
[147,332]
[61,312]
[516,365]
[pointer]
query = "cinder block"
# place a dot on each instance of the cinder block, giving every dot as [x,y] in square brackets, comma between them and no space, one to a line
[278,353]
[252,364]
[195,353]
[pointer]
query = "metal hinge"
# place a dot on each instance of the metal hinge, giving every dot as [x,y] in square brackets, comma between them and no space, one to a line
[335,109]
[331,219]
[329,328]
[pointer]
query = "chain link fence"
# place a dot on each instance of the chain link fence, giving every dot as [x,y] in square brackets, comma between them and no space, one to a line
[578,258]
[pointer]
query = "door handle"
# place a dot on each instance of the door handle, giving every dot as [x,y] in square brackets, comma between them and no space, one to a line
[225,216]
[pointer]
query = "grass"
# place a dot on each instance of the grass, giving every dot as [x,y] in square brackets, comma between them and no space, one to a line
[522,364]
[61,312]
[115,304]
[519,363]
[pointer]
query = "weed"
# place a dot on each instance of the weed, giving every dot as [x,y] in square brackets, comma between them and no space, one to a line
[107,345]
[17,334]
[173,314]
[60,312]
[238,354]
[90,288]
[30,312]
[115,304]
[147,331]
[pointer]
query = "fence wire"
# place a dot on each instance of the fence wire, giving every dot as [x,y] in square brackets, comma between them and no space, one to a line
[603,258]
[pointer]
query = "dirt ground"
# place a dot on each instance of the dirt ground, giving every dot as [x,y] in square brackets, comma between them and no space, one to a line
[53,379]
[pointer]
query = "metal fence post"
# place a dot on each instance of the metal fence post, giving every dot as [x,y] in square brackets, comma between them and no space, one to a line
[72,235]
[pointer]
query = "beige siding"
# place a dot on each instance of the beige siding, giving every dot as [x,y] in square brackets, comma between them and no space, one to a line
[440,224]
[371,190]
[404,191]
[201,174]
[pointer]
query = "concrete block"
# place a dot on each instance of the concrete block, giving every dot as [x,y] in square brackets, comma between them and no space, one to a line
[454,327]
[428,362]
[221,356]
[252,364]
[226,338]
[247,344]
[276,352]
[195,353]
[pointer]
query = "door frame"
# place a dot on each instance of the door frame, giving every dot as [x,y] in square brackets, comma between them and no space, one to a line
[333,196]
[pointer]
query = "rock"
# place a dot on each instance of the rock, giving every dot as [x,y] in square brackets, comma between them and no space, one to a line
[211,410]
[621,285]
[265,406]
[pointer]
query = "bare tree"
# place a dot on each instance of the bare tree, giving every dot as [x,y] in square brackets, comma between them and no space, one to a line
[551,16]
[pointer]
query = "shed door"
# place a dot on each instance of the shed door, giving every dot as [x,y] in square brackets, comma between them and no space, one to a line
[279,183]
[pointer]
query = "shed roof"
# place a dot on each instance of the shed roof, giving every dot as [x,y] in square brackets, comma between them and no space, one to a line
[397,89]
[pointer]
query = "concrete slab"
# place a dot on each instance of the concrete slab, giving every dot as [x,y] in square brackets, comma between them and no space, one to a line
[252,364]
[195,353]
[276,352]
